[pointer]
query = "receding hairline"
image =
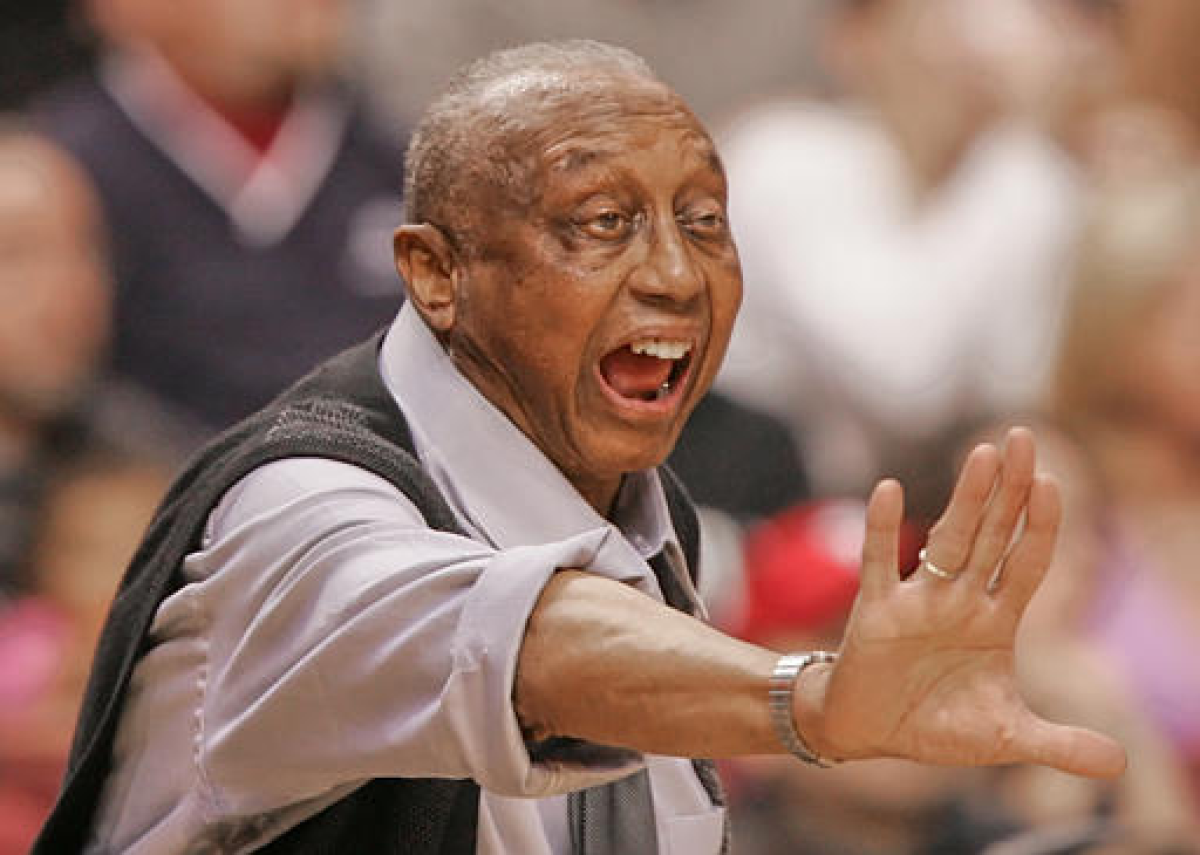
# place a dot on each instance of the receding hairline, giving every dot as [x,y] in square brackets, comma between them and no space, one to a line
[471,133]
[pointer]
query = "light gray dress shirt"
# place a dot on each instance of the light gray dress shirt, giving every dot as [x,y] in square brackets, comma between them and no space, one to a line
[325,636]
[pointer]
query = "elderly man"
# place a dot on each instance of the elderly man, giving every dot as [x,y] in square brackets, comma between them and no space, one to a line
[417,605]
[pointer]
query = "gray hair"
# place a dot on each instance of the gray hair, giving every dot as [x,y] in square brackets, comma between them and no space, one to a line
[463,139]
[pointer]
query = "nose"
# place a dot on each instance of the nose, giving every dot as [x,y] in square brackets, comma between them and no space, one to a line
[666,270]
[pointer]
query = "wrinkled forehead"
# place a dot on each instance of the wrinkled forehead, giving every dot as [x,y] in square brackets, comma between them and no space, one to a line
[564,122]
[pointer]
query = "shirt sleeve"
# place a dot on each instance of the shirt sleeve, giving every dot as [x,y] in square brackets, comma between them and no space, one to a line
[347,640]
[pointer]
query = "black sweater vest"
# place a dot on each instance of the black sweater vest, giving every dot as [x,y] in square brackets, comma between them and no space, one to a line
[341,411]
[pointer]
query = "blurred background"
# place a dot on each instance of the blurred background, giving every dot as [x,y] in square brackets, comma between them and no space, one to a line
[953,215]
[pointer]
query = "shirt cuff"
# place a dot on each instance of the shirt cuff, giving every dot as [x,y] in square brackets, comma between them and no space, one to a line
[486,646]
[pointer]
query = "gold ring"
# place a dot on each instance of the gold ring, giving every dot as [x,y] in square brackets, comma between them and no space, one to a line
[933,569]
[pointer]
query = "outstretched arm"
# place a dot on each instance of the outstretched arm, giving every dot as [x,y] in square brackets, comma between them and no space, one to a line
[925,671]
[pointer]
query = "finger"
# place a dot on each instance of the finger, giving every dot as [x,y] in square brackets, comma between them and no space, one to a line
[950,539]
[1005,508]
[1070,749]
[885,512]
[1027,562]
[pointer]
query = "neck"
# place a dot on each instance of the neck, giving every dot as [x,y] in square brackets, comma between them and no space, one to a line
[256,124]
[600,494]
[933,141]
[256,114]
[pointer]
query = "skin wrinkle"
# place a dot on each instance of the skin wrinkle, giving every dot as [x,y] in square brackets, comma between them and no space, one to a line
[598,148]
[499,103]
[570,162]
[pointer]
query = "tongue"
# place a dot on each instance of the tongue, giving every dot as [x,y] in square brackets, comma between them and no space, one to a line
[634,375]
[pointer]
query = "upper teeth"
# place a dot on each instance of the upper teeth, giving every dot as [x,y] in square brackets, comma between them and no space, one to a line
[662,348]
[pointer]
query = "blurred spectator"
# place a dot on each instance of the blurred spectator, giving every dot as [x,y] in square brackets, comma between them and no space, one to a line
[1067,675]
[55,289]
[250,202]
[92,519]
[1162,37]
[904,249]
[1127,387]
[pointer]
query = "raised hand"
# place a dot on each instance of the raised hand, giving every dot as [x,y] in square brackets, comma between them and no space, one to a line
[926,668]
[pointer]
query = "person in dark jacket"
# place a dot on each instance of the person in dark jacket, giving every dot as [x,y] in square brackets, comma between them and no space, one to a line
[249,194]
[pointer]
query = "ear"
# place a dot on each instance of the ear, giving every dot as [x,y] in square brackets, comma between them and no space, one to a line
[429,266]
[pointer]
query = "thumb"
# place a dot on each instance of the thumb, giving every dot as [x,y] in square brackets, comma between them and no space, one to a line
[1076,750]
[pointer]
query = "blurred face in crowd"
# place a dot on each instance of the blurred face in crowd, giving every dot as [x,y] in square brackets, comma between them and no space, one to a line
[595,305]
[236,51]
[92,523]
[1163,369]
[982,47]
[940,71]
[53,280]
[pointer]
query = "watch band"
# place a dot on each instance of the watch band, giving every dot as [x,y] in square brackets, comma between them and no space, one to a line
[782,687]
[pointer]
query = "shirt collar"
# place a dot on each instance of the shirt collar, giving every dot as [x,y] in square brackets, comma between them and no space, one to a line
[498,482]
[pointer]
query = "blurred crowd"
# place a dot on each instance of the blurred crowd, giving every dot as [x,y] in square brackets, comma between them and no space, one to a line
[953,216]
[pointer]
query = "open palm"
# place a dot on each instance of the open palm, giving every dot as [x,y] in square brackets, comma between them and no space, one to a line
[926,668]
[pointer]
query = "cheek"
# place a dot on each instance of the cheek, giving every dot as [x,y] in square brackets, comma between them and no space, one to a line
[726,300]
[547,371]
[559,310]
[539,342]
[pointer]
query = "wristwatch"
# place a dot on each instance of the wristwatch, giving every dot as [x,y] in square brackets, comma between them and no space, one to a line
[782,687]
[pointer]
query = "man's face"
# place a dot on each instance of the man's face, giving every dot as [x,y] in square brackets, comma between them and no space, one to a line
[596,312]
[239,51]
[53,281]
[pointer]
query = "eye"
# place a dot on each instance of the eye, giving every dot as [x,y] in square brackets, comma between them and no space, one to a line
[606,224]
[707,221]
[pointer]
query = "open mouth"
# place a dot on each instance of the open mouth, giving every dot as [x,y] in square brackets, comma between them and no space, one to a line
[647,370]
